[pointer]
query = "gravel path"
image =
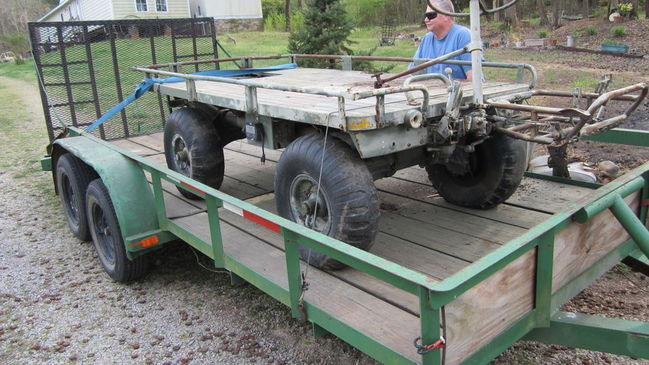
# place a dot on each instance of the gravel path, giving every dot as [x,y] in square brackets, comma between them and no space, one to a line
[57,306]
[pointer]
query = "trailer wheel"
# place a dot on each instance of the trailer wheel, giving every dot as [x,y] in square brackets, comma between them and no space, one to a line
[193,148]
[107,236]
[72,179]
[492,174]
[347,203]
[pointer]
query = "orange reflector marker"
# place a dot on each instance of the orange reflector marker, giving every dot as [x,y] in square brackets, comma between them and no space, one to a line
[192,188]
[147,242]
[261,221]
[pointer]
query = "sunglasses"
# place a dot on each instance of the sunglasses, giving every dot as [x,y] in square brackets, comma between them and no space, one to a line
[430,15]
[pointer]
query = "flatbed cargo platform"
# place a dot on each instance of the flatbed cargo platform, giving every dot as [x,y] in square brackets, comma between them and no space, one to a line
[317,108]
[504,288]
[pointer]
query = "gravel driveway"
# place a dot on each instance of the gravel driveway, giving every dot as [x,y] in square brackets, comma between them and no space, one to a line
[58,306]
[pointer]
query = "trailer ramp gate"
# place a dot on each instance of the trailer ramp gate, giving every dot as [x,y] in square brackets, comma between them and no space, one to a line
[73,58]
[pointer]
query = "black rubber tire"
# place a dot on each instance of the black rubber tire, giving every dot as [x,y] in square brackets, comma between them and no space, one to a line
[203,157]
[348,197]
[107,237]
[497,167]
[72,179]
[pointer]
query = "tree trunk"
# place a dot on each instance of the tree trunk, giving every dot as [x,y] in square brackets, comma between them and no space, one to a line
[287,14]
[496,16]
[646,9]
[557,6]
[540,5]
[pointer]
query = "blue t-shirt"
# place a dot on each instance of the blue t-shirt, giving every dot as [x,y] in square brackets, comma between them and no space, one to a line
[456,38]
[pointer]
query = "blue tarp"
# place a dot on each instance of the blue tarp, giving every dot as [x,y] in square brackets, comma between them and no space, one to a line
[146,85]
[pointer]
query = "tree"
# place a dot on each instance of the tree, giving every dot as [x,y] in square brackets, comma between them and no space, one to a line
[543,14]
[287,14]
[17,43]
[326,31]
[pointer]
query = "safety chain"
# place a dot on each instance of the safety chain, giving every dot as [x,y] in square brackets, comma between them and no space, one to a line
[424,349]
[300,304]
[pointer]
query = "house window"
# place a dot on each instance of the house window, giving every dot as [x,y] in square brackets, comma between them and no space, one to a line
[140,5]
[160,5]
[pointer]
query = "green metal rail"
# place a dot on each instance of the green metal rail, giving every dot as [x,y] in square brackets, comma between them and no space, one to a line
[539,324]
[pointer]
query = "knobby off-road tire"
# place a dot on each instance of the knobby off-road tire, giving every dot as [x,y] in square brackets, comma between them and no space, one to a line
[193,148]
[496,169]
[72,179]
[347,203]
[107,237]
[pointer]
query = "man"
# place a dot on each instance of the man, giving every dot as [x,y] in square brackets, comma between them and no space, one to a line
[444,36]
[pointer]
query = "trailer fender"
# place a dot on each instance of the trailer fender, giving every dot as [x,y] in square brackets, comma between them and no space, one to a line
[128,188]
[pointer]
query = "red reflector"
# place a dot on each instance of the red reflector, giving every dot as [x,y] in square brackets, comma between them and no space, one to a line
[192,188]
[149,241]
[261,221]
[645,203]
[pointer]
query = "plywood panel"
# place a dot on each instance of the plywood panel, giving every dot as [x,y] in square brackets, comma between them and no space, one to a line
[484,311]
[579,246]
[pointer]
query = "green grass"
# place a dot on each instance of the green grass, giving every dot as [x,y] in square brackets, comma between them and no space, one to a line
[24,71]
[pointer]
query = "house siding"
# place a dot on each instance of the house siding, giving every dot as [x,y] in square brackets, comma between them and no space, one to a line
[96,10]
[241,9]
[69,12]
[125,9]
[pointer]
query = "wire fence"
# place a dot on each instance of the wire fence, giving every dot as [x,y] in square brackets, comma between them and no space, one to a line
[84,69]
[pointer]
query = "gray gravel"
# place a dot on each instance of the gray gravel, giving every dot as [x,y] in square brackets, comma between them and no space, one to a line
[58,306]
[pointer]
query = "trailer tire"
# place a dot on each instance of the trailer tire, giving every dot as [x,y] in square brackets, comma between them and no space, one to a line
[193,148]
[347,206]
[496,169]
[107,237]
[72,179]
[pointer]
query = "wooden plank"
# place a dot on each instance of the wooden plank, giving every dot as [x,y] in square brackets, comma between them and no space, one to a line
[134,147]
[235,182]
[512,215]
[431,215]
[579,246]
[153,141]
[543,195]
[483,312]
[381,321]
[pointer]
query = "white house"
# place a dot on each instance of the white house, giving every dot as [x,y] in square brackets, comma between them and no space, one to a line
[229,15]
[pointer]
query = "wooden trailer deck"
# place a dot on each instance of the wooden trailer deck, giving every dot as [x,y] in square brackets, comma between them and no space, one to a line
[418,230]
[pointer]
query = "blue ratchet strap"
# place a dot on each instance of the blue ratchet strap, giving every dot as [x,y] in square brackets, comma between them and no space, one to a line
[148,83]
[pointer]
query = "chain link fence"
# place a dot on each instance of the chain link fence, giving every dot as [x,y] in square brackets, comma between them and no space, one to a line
[84,69]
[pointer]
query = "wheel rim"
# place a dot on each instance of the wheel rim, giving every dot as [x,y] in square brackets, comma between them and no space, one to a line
[71,199]
[104,238]
[181,155]
[306,209]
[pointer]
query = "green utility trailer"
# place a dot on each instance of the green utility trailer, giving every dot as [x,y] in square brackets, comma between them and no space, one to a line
[461,284]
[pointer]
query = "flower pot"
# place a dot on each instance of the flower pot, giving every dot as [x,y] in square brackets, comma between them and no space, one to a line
[617,48]
[618,19]
[552,42]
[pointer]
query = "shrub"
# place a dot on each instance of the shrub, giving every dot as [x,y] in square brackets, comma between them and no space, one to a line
[575,33]
[618,31]
[325,31]
[543,33]
[591,30]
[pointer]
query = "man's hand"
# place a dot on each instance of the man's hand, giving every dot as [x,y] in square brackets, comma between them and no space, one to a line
[469,75]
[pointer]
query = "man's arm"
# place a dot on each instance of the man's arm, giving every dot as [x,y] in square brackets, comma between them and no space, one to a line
[469,75]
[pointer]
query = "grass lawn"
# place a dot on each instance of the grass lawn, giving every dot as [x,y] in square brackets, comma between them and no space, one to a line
[143,116]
